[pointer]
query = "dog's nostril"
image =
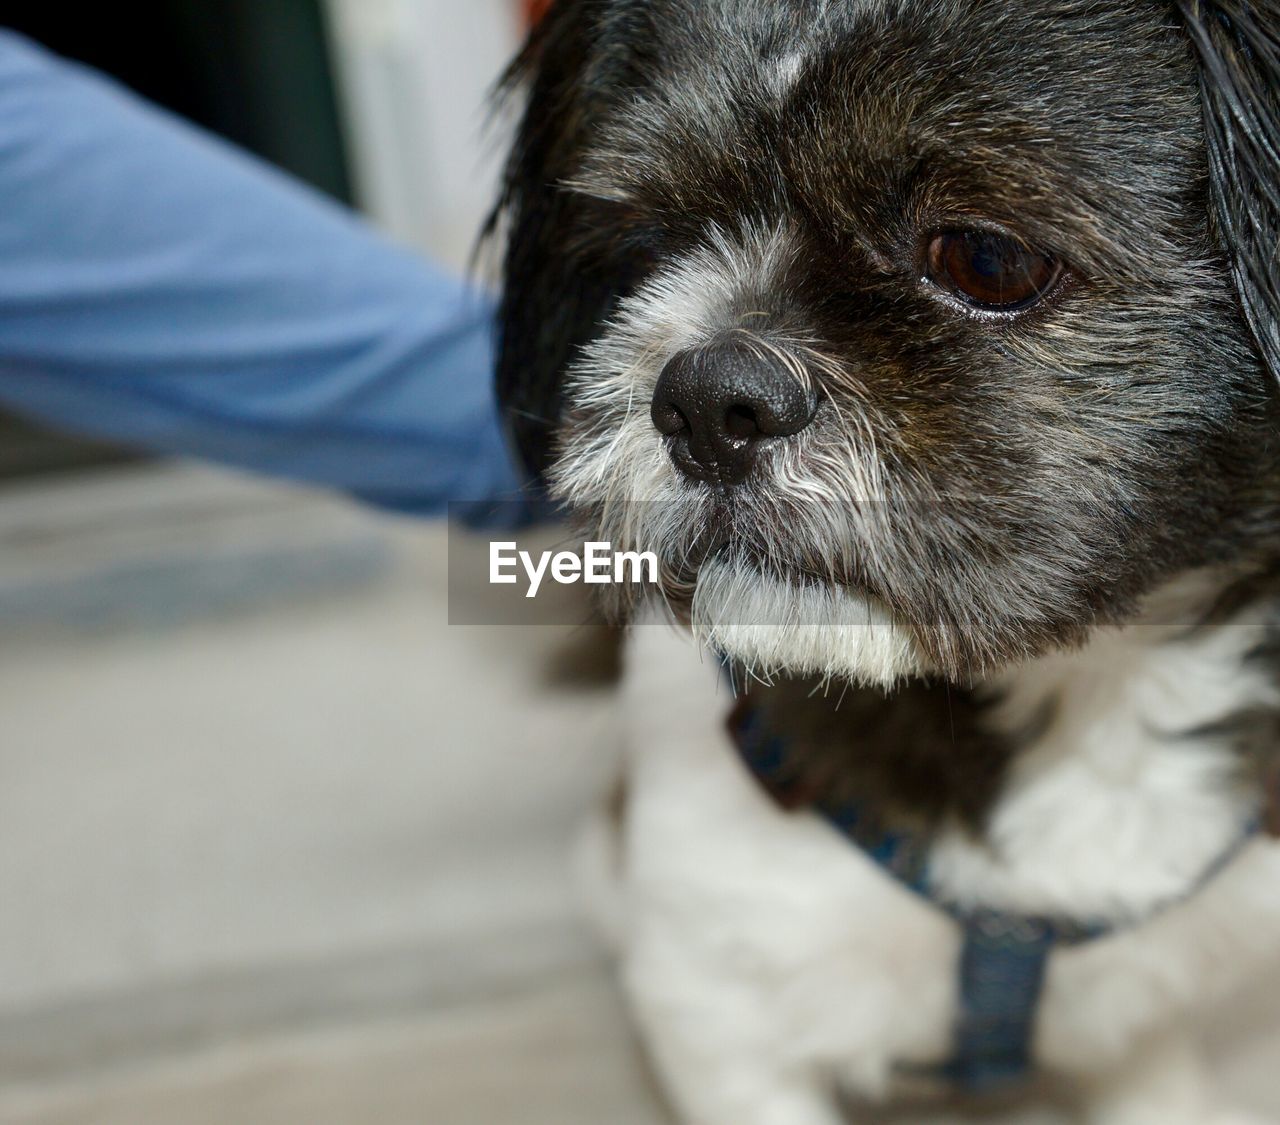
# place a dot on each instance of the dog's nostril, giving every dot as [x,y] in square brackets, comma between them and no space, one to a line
[740,422]
[716,405]
[668,418]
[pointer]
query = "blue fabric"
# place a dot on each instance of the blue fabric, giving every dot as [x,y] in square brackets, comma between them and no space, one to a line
[160,288]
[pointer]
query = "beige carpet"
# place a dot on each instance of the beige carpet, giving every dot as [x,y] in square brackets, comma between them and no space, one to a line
[556,1055]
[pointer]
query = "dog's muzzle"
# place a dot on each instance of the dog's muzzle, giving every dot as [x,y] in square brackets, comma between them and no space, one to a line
[718,405]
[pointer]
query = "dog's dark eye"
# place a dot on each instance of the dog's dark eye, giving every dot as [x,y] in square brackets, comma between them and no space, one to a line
[990,271]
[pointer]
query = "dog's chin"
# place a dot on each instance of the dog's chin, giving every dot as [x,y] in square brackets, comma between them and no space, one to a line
[770,625]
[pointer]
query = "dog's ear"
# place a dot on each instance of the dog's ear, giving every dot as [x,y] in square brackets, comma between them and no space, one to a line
[1237,43]
[553,300]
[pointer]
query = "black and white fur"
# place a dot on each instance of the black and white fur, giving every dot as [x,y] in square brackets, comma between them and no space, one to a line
[1015,584]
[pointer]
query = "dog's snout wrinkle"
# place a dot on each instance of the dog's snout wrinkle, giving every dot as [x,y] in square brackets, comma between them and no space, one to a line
[716,405]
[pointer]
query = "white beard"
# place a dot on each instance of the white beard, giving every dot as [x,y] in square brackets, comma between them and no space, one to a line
[772,626]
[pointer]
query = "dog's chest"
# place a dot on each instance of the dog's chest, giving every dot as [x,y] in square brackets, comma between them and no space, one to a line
[789,943]
[1129,793]
[759,930]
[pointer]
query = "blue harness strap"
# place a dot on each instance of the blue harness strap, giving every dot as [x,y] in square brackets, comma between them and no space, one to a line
[1003,956]
[1002,968]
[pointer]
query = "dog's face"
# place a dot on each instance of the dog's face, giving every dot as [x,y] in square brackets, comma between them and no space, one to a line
[903,330]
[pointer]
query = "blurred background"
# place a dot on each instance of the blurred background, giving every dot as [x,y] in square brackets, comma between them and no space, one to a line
[277,844]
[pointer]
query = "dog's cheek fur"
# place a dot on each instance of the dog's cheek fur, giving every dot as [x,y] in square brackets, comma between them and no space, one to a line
[1085,461]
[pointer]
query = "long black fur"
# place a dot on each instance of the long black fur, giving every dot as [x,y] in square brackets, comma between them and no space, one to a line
[1238,43]
[555,297]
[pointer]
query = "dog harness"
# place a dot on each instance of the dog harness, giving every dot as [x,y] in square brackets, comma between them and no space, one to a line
[1003,955]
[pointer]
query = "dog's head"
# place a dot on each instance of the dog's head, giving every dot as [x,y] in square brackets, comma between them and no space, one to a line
[915,336]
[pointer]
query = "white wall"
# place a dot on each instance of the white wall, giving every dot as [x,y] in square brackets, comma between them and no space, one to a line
[414,78]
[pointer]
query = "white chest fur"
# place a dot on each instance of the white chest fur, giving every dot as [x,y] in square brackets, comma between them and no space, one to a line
[1117,807]
[767,958]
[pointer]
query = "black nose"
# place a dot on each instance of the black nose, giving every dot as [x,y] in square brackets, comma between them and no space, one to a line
[717,404]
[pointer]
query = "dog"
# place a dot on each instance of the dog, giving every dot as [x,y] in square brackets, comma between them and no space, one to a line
[932,345]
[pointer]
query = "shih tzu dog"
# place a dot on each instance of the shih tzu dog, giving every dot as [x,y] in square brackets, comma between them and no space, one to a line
[932,345]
